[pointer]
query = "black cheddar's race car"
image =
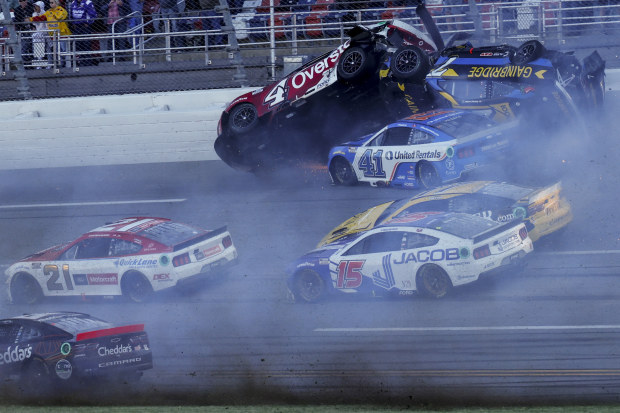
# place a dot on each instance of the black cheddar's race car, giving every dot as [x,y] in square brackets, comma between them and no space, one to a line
[40,352]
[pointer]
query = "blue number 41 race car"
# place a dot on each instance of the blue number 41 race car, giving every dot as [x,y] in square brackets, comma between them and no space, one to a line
[423,150]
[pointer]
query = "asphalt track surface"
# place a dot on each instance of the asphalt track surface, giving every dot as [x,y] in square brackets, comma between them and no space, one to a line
[548,336]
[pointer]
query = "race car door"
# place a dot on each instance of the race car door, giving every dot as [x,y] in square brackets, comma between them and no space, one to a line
[85,268]
[369,264]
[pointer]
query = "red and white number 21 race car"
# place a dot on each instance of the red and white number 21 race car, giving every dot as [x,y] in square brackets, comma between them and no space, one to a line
[132,257]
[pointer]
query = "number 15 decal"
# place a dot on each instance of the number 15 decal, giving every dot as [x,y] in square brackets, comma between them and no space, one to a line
[349,274]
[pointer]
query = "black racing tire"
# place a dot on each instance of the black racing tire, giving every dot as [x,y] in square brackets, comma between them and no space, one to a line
[410,63]
[242,118]
[432,281]
[308,286]
[25,289]
[135,287]
[355,64]
[35,379]
[427,175]
[342,173]
[527,52]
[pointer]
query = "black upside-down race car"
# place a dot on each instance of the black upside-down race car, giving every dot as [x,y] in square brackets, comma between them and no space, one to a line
[41,352]
[336,94]
[389,71]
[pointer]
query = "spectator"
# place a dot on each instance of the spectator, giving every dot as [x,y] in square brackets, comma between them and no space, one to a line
[115,10]
[56,24]
[169,10]
[22,15]
[135,11]
[213,20]
[39,37]
[82,14]
[150,10]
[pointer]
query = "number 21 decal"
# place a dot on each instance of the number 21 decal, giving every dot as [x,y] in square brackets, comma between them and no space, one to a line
[53,284]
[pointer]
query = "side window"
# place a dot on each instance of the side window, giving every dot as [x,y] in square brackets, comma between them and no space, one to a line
[379,242]
[419,137]
[412,240]
[378,140]
[69,254]
[398,136]
[120,247]
[93,248]
[8,333]
[28,333]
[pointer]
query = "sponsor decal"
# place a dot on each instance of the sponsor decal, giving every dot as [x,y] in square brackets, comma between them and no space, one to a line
[413,155]
[95,279]
[65,349]
[464,252]
[507,242]
[448,254]
[449,164]
[405,293]
[161,277]
[164,260]
[500,72]
[118,349]
[300,78]
[212,251]
[36,265]
[13,355]
[63,369]
[450,152]
[115,363]
[137,262]
[305,264]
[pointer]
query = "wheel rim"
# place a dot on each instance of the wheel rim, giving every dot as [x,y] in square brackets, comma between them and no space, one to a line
[138,288]
[428,175]
[435,282]
[244,117]
[342,171]
[309,286]
[407,61]
[25,290]
[352,62]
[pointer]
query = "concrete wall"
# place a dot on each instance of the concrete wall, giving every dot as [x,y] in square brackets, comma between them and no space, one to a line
[121,129]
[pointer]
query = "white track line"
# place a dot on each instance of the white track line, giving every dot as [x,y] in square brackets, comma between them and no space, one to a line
[74,204]
[482,328]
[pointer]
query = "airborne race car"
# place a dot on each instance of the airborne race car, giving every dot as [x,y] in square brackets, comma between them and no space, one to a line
[335,94]
[389,71]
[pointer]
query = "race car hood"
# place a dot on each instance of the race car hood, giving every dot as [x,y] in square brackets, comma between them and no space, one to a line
[357,223]
[45,255]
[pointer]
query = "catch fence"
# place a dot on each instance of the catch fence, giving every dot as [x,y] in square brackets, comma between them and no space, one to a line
[253,43]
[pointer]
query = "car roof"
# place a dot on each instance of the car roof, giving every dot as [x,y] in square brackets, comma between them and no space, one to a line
[432,219]
[71,322]
[130,225]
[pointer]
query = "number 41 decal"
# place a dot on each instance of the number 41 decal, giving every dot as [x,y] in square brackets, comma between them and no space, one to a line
[372,164]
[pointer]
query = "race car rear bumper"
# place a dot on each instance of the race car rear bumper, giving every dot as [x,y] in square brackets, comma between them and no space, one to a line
[212,270]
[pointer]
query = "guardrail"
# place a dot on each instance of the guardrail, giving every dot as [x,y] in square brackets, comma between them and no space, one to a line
[233,38]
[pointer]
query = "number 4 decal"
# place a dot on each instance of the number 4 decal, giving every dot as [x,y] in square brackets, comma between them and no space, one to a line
[277,95]
[349,274]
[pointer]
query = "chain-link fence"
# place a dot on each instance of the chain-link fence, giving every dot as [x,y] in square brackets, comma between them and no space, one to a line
[133,46]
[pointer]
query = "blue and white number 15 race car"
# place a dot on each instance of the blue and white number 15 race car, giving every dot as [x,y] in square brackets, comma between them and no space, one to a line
[428,252]
[422,150]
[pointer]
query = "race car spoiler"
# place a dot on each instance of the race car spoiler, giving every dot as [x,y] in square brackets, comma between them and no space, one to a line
[492,232]
[191,241]
[134,328]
